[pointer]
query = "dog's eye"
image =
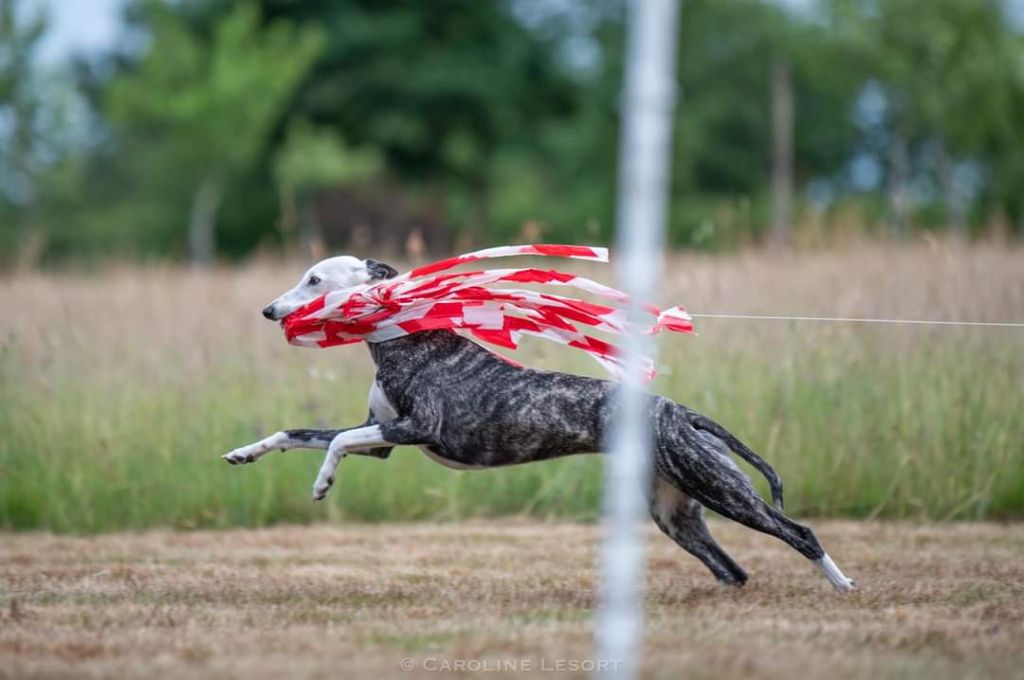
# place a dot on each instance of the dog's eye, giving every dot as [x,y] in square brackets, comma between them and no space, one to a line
[313,280]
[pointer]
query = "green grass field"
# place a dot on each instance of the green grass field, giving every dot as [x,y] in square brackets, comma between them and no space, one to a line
[119,391]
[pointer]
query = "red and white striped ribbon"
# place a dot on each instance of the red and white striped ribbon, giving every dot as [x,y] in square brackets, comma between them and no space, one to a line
[433,298]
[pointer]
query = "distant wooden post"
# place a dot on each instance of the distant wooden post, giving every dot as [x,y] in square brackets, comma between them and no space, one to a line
[202,223]
[898,178]
[956,217]
[782,154]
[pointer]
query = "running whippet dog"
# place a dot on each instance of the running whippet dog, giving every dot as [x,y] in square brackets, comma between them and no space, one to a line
[465,407]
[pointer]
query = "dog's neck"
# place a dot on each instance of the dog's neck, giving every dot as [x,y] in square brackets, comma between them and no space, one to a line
[417,349]
[416,363]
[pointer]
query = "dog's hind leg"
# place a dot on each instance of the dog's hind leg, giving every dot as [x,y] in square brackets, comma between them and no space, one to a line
[728,492]
[682,519]
[771,521]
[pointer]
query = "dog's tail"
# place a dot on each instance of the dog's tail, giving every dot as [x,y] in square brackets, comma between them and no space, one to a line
[774,481]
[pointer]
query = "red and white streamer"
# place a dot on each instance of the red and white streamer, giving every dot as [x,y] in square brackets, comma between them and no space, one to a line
[433,298]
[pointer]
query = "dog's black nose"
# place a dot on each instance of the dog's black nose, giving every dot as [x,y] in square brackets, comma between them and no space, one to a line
[268,312]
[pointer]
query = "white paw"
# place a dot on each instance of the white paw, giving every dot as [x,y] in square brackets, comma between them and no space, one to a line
[245,454]
[844,585]
[322,486]
[253,452]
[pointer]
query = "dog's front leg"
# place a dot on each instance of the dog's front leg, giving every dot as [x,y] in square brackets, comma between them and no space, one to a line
[284,441]
[367,437]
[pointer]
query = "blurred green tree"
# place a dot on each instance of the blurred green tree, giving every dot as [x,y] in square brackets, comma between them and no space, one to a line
[18,42]
[43,140]
[499,119]
[201,107]
[439,88]
[952,74]
[728,52]
[723,132]
[22,111]
[309,160]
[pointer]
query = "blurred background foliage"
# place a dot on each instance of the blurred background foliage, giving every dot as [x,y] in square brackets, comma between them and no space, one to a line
[216,129]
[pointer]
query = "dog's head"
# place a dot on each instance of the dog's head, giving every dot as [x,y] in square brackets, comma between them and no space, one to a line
[334,273]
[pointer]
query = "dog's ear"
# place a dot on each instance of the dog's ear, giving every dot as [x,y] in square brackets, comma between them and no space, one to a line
[379,270]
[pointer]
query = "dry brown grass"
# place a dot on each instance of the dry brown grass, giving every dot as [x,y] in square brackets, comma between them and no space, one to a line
[122,388]
[941,601]
[134,322]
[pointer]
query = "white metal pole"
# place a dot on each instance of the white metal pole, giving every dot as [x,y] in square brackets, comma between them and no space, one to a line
[644,158]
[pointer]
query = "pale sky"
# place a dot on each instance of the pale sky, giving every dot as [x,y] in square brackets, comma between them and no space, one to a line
[77,26]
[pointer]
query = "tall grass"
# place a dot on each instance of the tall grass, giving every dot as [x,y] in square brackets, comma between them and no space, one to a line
[118,392]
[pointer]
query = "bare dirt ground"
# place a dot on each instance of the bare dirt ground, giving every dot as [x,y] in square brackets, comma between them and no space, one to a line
[505,597]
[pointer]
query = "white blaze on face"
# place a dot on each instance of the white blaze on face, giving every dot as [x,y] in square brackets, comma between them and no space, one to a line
[335,273]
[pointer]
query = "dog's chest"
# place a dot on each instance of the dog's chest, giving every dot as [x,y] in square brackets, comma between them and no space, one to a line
[383,410]
[380,407]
